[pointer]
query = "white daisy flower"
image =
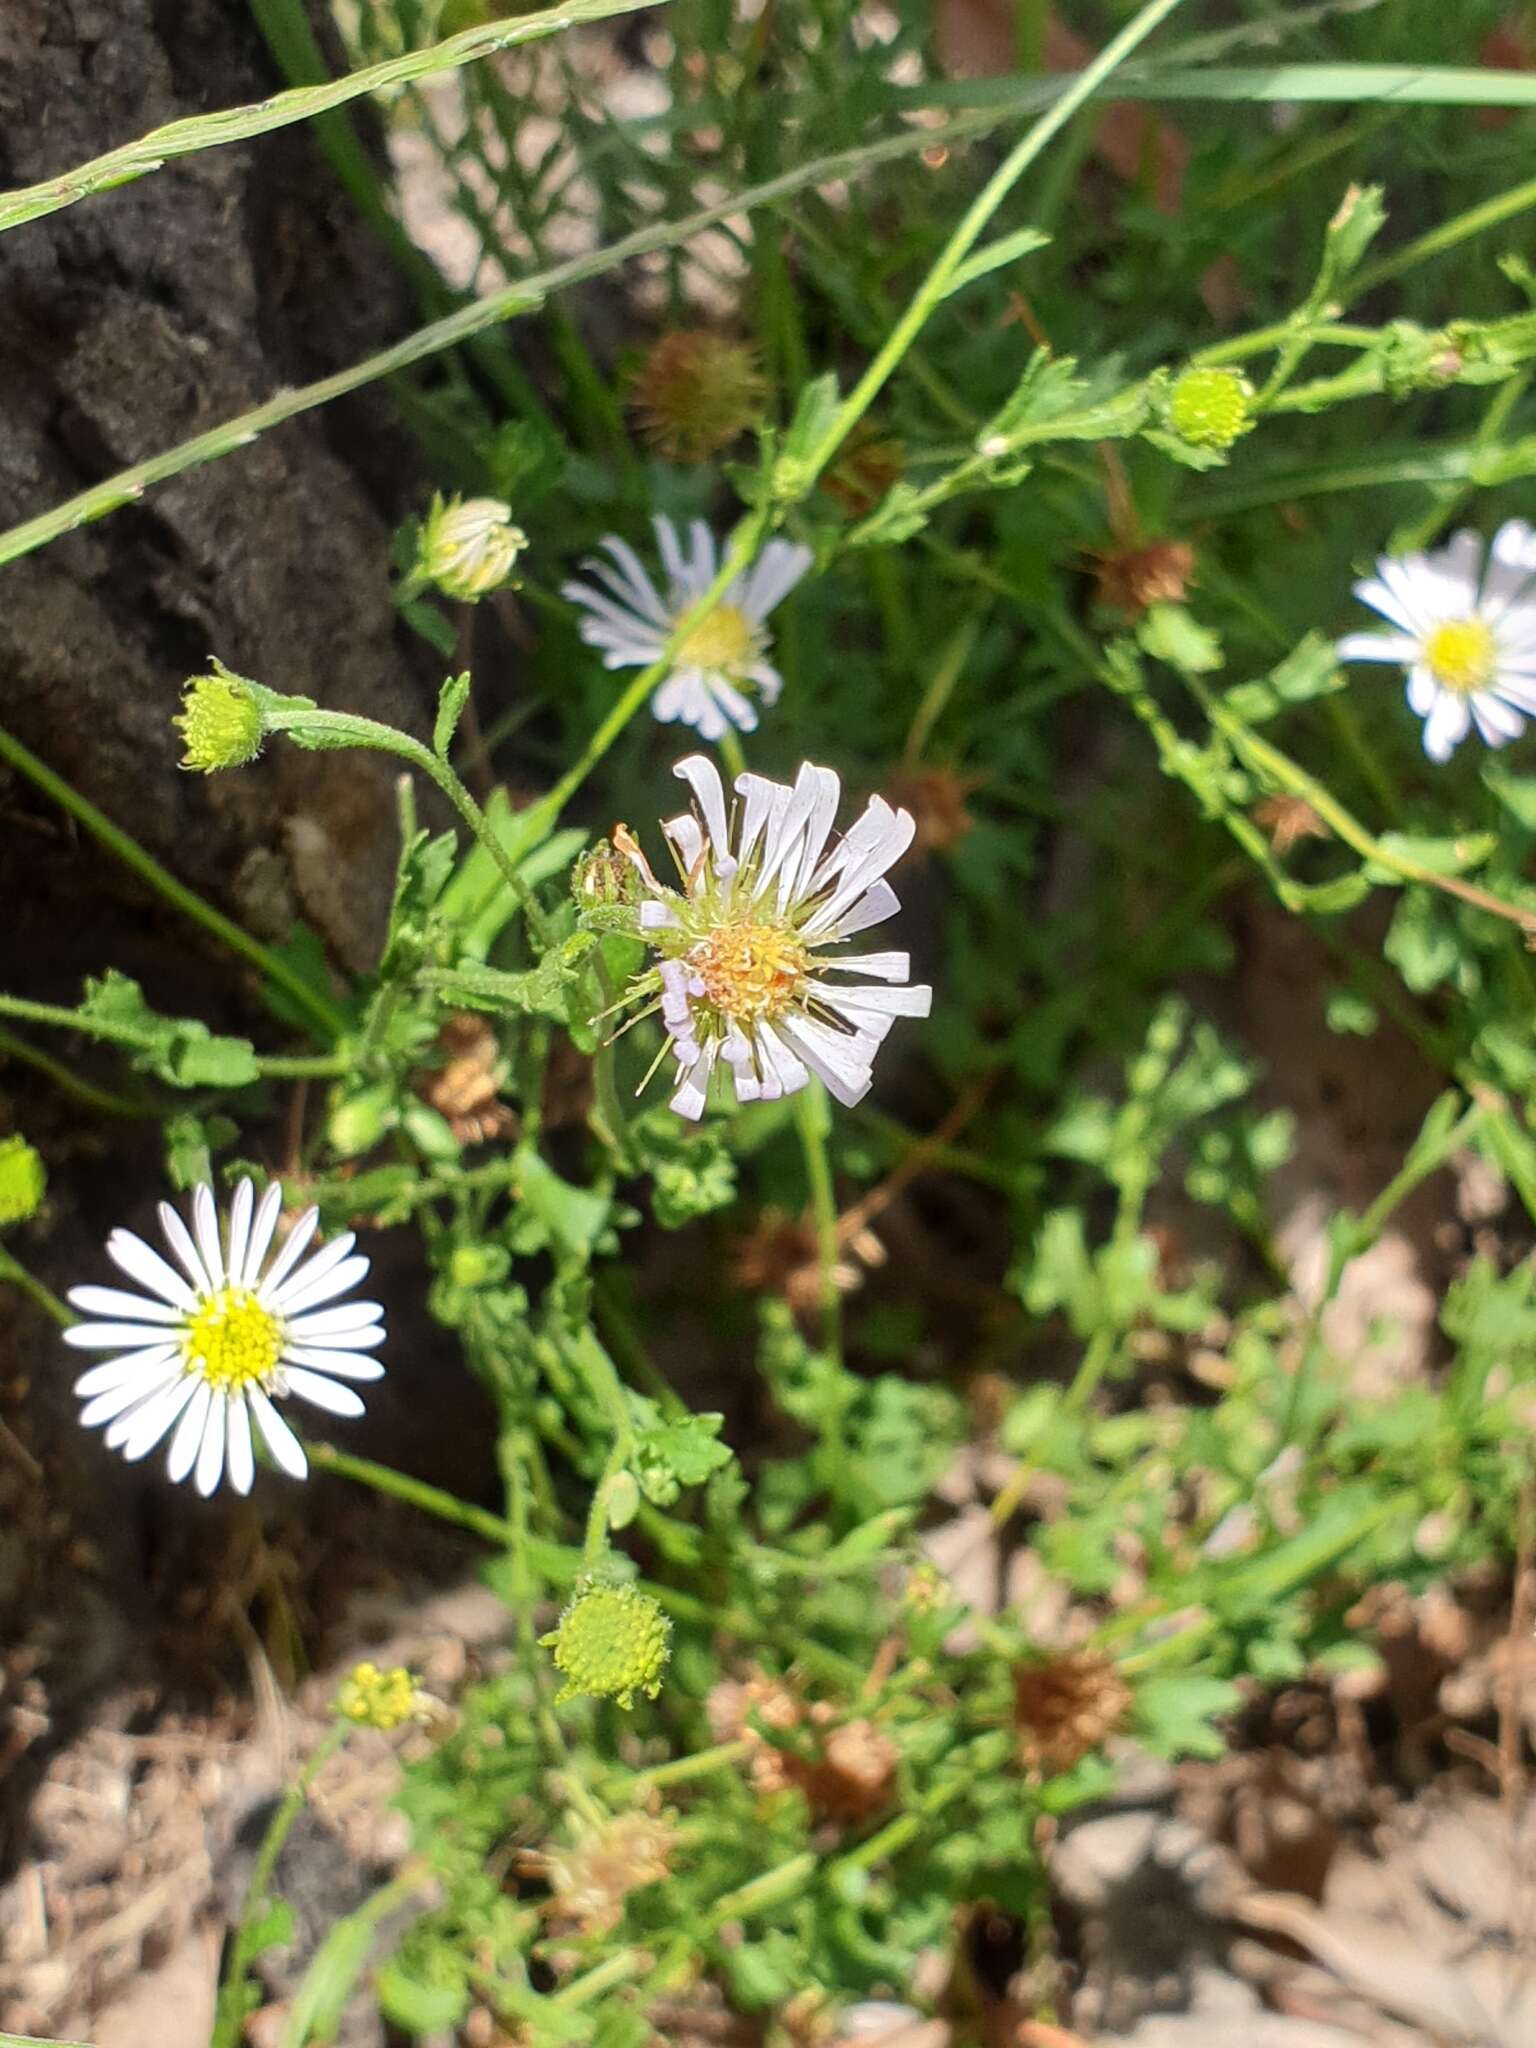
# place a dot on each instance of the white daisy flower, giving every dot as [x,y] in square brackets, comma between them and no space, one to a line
[744,966]
[630,621]
[213,1341]
[1466,634]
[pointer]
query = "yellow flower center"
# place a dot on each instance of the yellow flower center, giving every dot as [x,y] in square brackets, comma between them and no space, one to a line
[750,970]
[231,1341]
[723,640]
[1462,653]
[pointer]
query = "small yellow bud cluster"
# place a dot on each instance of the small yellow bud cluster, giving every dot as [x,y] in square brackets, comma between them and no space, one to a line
[221,722]
[1209,408]
[22,1181]
[375,1698]
[469,545]
[610,1643]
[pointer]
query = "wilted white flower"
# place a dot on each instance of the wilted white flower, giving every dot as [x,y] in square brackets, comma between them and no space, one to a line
[745,942]
[627,617]
[468,546]
[214,1341]
[1466,634]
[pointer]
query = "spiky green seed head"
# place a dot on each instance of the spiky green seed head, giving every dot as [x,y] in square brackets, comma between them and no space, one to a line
[1209,408]
[469,545]
[610,1643]
[22,1181]
[221,722]
[377,1699]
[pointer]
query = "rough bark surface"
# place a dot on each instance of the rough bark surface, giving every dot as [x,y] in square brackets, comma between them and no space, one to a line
[128,323]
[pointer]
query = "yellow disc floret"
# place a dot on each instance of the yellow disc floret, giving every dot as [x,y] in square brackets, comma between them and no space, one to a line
[724,640]
[375,1698]
[750,970]
[231,1340]
[1209,407]
[220,721]
[1462,654]
[611,1642]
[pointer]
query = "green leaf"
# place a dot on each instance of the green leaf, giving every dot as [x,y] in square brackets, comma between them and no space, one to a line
[1360,218]
[450,709]
[416,2007]
[693,1172]
[273,1927]
[676,1453]
[1442,856]
[1172,634]
[1174,1712]
[1006,249]
[180,1050]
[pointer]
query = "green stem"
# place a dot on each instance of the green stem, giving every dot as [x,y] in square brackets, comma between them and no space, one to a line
[83,1091]
[309,725]
[1285,772]
[153,151]
[324,1014]
[812,1121]
[937,285]
[229,2025]
[13,1272]
[271,1066]
[432,1500]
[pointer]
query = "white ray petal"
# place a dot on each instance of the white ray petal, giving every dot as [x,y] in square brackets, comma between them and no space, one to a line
[151,1422]
[1399,647]
[262,1230]
[242,1461]
[280,1440]
[189,1433]
[210,1452]
[345,1318]
[1446,725]
[131,1394]
[322,1392]
[184,1251]
[131,1255]
[205,1228]
[292,1250]
[703,778]
[105,1336]
[240,1206]
[280,1287]
[344,1365]
[314,1292]
[144,1366]
[116,1301]
[367,1338]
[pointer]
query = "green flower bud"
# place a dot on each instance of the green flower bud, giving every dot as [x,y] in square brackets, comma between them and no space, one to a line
[468,546]
[222,725]
[22,1181]
[375,1698]
[1209,407]
[610,1643]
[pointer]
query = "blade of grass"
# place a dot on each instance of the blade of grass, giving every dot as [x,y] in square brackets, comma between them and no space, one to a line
[238,124]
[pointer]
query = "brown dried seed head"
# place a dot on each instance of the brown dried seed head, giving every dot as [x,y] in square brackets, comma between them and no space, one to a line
[936,797]
[1132,580]
[591,1879]
[696,393]
[1067,1707]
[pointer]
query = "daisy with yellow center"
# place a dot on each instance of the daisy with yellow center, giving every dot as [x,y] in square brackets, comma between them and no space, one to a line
[724,658]
[1465,631]
[214,1341]
[749,944]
